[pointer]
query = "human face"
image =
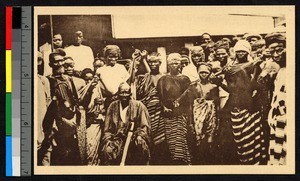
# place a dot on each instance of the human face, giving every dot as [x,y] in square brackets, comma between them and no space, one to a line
[57,41]
[253,40]
[69,67]
[198,57]
[206,38]
[221,55]
[88,78]
[203,75]
[174,67]
[241,54]
[112,58]
[124,93]
[276,51]
[57,64]
[153,63]
[78,39]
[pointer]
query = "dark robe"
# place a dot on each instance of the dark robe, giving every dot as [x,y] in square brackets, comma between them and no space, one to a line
[176,124]
[63,109]
[116,131]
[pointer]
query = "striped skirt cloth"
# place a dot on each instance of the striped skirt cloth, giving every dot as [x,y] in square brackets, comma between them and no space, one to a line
[277,120]
[249,137]
[176,137]
[152,103]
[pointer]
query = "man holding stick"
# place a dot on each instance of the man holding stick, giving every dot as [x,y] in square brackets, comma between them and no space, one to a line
[121,114]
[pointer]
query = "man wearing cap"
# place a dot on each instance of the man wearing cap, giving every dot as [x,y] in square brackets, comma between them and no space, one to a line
[63,113]
[120,115]
[222,53]
[252,38]
[82,55]
[277,119]
[69,70]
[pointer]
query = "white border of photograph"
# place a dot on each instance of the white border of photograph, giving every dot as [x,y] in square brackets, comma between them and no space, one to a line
[287,11]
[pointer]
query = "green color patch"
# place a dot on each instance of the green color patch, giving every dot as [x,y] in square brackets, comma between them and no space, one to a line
[8,114]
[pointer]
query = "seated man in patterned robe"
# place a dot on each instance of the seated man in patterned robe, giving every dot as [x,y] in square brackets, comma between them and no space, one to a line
[120,115]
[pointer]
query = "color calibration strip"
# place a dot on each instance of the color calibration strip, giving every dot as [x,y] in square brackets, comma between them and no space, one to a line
[8,100]
[16,76]
[13,90]
[25,65]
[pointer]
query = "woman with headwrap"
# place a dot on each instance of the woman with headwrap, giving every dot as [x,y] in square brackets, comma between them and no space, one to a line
[147,93]
[198,57]
[203,99]
[170,87]
[246,123]
[112,74]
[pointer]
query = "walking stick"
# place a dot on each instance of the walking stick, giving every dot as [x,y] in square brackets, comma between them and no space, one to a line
[127,143]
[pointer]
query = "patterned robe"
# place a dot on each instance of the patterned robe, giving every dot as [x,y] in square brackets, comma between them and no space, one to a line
[115,134]
[147,94]
[176,130]
[246,122]
[278,121]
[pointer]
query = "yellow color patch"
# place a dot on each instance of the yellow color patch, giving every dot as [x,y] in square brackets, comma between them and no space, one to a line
[8,67]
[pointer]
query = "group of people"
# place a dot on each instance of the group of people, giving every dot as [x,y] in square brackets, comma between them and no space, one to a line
[219,103]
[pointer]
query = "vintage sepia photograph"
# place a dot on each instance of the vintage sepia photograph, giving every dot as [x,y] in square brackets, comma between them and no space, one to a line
[164,90]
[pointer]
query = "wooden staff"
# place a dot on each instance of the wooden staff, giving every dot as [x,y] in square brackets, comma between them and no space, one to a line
[135,56]
[51,30]
[127,143]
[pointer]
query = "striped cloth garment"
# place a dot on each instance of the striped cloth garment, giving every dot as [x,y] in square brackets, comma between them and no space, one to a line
[147,94]
[249,136]
[278,122]
[205,119]
[176,136]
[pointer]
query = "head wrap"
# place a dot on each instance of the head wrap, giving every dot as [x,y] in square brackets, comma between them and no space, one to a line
[259,43]
[173,57]
[196,49]
[204,68]
[222,45]
[242,45]
[110,48]
[275,37]
[86,71]
[154,56]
